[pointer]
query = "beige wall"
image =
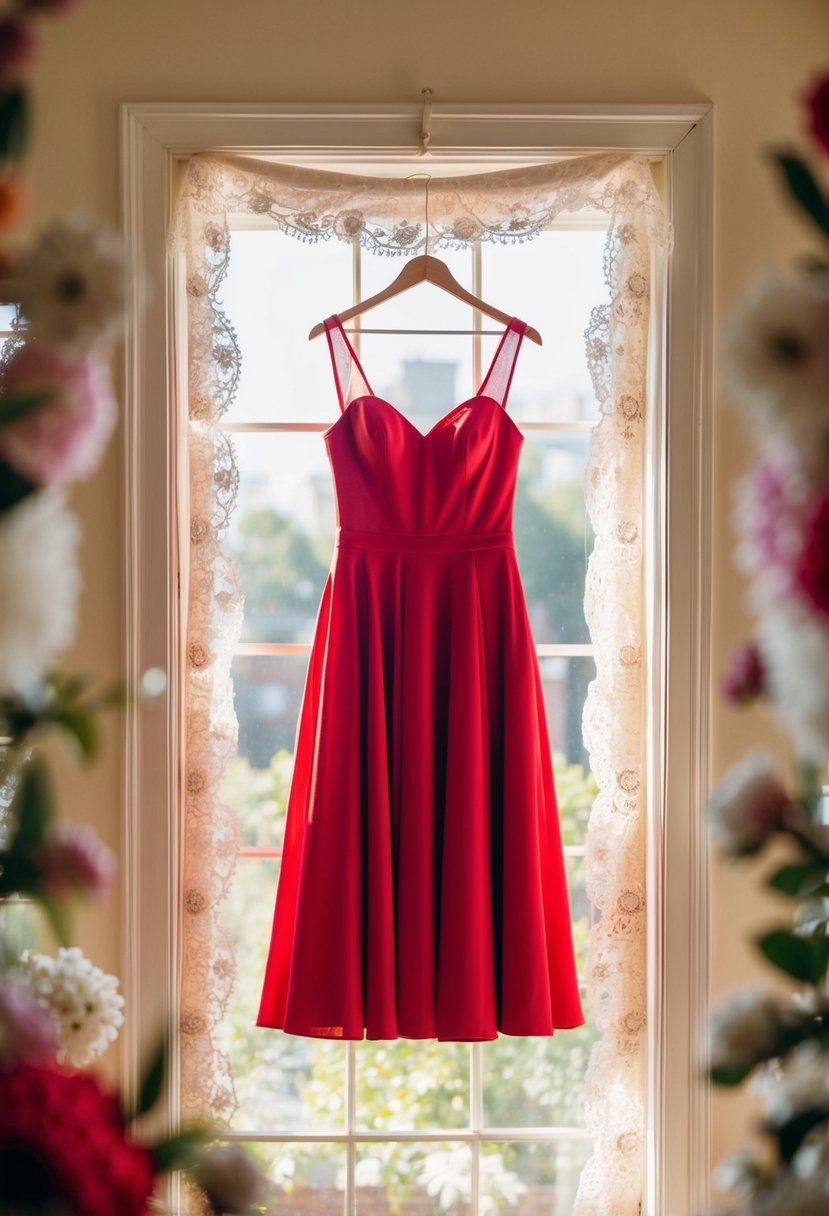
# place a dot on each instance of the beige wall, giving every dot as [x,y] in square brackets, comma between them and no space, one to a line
[751,58]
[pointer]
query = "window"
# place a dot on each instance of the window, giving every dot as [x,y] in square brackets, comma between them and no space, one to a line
[429,1124]
[156,139]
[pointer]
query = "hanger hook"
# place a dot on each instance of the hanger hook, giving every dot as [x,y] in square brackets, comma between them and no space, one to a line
[428,177]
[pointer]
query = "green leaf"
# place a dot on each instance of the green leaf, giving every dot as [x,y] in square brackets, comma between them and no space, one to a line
[152,1080]
[82,725]
[58,916]
[804,958]
[14,121]
[180,1152]
[32,808]
[797,879]
[729,1076]
[804,188]
[13,487]
[14,406]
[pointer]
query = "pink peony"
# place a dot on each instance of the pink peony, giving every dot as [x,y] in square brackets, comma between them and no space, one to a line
[811,570]
[63,439]
[74,858]
[27,1031]
[748,805]
[745,679]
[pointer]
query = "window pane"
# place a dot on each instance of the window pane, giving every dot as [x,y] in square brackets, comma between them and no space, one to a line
[551,282]
[537,1082]
[282,533]
[581,910]
[304,1179]
[575,791]
[283,1082]
[276,290]
[532,1179]
[267,696]
[552,534]
[409,1085]
[421,1179]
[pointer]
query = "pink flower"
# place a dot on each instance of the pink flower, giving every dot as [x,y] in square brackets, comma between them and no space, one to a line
[63,439]
[748,805]
[745,679]
[18,45]
[74,858]
[811,570]
[27,1031]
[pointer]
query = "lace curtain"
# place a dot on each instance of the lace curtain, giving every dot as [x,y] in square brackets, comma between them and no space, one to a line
[514,205]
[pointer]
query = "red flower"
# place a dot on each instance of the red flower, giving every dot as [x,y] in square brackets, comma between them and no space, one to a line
[817,103]
[745,679]
[811,572]
[63,1143]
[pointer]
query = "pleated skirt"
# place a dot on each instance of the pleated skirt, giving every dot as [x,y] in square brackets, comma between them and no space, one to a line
[422,890]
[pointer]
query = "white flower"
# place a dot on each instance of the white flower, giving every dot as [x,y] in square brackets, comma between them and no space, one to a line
[39,585]
[747,804]
[800,1083]
[738,1172]
[85,1003]
[743,1028]
[794,1196]
[794,644]
[72,284]
[775,357]
[231,1179]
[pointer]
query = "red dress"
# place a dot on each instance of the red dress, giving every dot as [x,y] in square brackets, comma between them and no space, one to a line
[422,891]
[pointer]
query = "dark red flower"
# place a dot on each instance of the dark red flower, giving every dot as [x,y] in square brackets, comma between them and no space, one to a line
[811,572]
[18,45]
[817,104]
[63,1142]
[746,676]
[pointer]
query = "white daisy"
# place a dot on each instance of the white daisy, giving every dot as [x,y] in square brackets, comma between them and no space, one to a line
[72,284]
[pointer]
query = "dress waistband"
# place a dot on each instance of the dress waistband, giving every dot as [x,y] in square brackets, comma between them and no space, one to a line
[407,542]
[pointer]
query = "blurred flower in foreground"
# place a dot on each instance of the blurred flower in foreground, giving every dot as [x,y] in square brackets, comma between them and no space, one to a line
[62,439]
[72,284]
[65,1148]
[39,586]
[73,857]
[745,678]
[748,805]
[27,1032]
[230,1179]
[84,1002]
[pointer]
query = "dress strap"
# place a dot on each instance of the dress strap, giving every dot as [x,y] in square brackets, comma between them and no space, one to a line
[348,374]
[499,377]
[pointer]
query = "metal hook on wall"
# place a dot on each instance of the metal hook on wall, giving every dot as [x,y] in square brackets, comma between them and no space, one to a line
[426,122]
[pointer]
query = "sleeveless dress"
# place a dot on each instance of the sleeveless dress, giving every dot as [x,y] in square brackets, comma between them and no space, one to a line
[422,890]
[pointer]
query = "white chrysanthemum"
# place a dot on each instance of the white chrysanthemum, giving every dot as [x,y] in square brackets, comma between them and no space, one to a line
[747,804]
[775,357]
[795,648]
[743,1028]
[72,284]
[739,1172]
[83,1000]
[39,586]
[800,1083]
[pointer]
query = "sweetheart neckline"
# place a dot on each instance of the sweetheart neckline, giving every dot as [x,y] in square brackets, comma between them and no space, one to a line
[424,435]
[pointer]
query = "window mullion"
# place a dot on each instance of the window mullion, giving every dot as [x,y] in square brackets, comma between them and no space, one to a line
[476,1116]
[351,1128]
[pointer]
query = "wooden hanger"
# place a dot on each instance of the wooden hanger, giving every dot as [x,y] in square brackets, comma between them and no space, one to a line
[427,269]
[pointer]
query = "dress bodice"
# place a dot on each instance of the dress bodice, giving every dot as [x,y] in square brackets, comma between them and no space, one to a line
[458,477]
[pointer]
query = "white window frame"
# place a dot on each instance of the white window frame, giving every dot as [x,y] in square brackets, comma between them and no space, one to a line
[155,139]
